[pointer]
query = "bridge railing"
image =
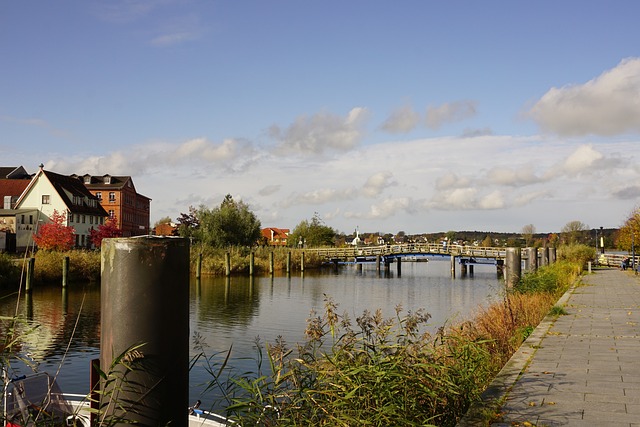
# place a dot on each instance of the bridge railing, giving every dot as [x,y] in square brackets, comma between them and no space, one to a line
[408,248]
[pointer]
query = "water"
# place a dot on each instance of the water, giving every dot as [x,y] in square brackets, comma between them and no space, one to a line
[233,312]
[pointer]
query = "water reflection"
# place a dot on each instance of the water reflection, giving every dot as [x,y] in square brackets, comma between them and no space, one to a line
[232,312]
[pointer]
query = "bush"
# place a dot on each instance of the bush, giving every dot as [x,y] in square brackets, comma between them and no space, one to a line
[9,271]
[83,265]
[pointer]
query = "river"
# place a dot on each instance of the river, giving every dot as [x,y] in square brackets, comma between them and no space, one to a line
[232,312]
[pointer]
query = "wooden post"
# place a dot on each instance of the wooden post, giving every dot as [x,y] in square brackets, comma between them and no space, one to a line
[288,262]
[199,266]
[463,268]
[65,271]
[227,264]
[271,262]
[251,261]
[514,267]
[30,271]
[471,270]
[453,266]
[378,257]
[302,262]
[145,318]
[399,266]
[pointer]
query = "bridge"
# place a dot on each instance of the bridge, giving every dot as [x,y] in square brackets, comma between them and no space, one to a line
[391,253]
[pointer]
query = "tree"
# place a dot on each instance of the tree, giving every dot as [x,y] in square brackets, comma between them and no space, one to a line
[230,224]
[629,233]
[55,235]
[312,233]
[527,234]
[105,231]
[188,223]
[165,220]
[573,232]
[487,242]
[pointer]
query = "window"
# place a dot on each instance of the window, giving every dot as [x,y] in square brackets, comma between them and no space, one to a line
[87,180]
[99,195]
[112,196]
[90,219]
[70,218]
[111,213]
[46,199]
[84,218]
[22,219]
[30,219]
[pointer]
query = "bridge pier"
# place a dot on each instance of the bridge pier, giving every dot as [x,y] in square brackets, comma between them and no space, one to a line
[378,263]
[471,270]
[463,268]
[399,266]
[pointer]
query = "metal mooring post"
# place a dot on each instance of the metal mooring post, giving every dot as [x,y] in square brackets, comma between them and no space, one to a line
[145,306]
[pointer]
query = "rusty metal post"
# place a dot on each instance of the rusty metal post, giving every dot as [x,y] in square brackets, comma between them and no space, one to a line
[514,266]
[145,325]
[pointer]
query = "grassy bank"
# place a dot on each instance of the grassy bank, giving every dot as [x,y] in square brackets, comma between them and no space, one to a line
[213,259]
[389,371]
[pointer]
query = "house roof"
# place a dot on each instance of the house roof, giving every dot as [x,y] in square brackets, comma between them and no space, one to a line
[272,232]
[107,182]
[13,172]
[12,187]
[65,186]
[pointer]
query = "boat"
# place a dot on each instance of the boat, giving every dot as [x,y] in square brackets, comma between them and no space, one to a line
[36,399]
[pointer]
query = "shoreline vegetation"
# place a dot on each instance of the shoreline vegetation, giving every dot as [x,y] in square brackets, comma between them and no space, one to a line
[369,370]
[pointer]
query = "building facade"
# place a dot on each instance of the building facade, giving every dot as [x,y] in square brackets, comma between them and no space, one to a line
[118,197]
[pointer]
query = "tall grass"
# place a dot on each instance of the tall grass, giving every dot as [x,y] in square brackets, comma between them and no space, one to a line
[9,271]
[387,371]
[83,265]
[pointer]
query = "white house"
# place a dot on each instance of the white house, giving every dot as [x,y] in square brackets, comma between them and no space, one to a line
[48,192]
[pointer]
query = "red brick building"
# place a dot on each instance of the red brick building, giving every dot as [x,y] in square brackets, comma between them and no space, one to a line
[118,196]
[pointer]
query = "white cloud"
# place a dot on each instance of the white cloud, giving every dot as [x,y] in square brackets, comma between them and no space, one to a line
[514,177]
[451,180]
[384,209]
[321,132]
[450,112]
[402,120]
[583,159]
[493,200]
[524,199]
[607,105]
[378,183]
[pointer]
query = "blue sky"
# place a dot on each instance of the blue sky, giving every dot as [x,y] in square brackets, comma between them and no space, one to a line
[416,116]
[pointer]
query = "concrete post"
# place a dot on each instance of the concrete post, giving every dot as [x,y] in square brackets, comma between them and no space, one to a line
[532,259]
[544,256]
[552,255]
[514,266]
[145,304]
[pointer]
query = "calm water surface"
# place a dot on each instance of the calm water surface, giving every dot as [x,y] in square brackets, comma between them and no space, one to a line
[233,312]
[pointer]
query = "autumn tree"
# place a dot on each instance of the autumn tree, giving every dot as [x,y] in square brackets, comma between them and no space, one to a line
[105,231]
[629,233]
[55,235]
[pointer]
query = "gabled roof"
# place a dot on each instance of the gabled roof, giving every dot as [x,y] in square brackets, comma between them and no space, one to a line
[65,185]
[13,172]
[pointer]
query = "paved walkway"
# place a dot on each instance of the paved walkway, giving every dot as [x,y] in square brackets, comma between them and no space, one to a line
[582,369]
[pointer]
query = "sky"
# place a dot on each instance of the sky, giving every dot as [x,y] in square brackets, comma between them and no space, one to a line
[414,116]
